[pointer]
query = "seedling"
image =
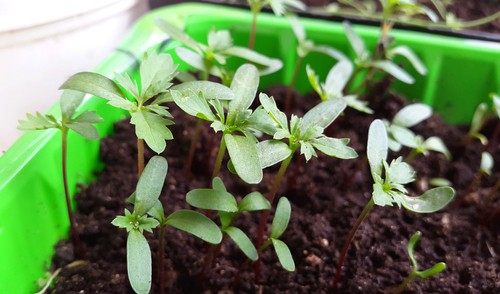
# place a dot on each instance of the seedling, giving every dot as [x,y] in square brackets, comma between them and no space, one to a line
[482,115]
[388,187]
[82,124]
[400,134]
[333,87]
[145,201]
[279,7]
[151,119]
[434,270]
[304,47]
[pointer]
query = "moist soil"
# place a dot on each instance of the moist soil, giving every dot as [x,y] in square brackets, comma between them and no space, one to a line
[327,195]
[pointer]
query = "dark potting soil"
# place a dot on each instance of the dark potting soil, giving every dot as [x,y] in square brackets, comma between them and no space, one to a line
[326,198]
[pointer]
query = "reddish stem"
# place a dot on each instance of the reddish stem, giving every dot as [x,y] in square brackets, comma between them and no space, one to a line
[161,256]
[140,156]
[251,41]
[192,148]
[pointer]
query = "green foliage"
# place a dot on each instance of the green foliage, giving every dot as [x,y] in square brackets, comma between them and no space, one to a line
[69,102]
[279,7]
[151,120]
[278,227]
[389,179]
[481,115]
[225,204]
[400,134]
[305,132]
[212,58]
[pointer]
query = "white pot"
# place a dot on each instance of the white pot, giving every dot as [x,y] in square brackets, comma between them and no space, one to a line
[42,43]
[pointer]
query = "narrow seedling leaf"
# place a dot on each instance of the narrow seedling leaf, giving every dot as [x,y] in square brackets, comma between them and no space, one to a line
[394,70]
[377,147]
[412,114]
[139,266]
[70,100]
[244,87]
[245,158]
[195,223]
[212,199]
[253,202]
[281,218]
[243,242]
[431,201]
[411,56]
[323,114]
[95,84]
[150,184]
[284,255]
[334,147]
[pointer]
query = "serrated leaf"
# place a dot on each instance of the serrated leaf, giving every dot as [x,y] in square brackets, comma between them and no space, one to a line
[195,223]
[139,267]
[38,122]
[245,158]
[272,152]
[150,184]
[157,70]
[412,115]
[431,201]
[244,87]
[152,128]
[193,104]
[394,70]
[411,56]
[212,199]
[124,221]
[86,130]
[126,82]
[334,147]
[69,102]
[307,149]
[400,172]
[323,114]
[284,255]
[270,106]
[88,116]
[281,218]
[380,197]
[243,242]
[253,202]
[377,147]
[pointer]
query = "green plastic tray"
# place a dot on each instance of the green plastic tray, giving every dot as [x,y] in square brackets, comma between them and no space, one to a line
[32,209]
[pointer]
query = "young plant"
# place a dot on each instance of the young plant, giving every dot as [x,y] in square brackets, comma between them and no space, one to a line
[400,134]
[416,273]
[388,187]
[79,123]
[151,119]
[304,47]
[333,87]
[482,115]
[240,118]
[146,202]
[279,8]
[305,133]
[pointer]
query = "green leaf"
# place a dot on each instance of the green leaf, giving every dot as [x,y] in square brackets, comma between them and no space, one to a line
[411,245]
[253,202]
[400,172]
[284,255]
[327,50]
[404,136]
[197,61]
[436,144]
[337,78]
[139,266]
[195,223]
[209,89]
[279,7]
[394,70]
[270,106]
[84,129]
[178,35]
[315,84]
[334,147]
[69,102]
[307,149]
[88,116]
[157,70]
[212,199]
[261,121]
[377,147]
[265,64]
[272,152]
[38,122]
[152,128]
[157,211]
[281,218]
[431,201]
[245,158]
[356,42]
[243,242]
[150,184]
[244,87]
[124,221]
[219,40]
[353,102]
[323,114]
[412,114]
[380,197]
[100,86]
[486,163]
[436,269]
[126,83]
[193,104]
[218,185]
[297,28]
[412,58]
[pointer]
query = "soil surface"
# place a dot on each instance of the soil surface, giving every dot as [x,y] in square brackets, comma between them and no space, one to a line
[326,198]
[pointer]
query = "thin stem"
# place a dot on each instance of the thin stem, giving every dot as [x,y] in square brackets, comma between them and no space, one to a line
[288,99]
[192,147]
[405,283]
[75,238]
[265,214]
[251,41]
[140,156]
[349,239]
[413,153]
[220,156]
[161,256]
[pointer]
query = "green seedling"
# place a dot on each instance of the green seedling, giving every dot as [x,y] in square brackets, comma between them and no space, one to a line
[482,115]
[239,118]
[148,214]
[220,200]
[305,133]
[388,187]
[82,124]
[434,270]
[151,119]
[304,48]
[211,59]
[400,134]
[381,60]
[279,7]
[333,87]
